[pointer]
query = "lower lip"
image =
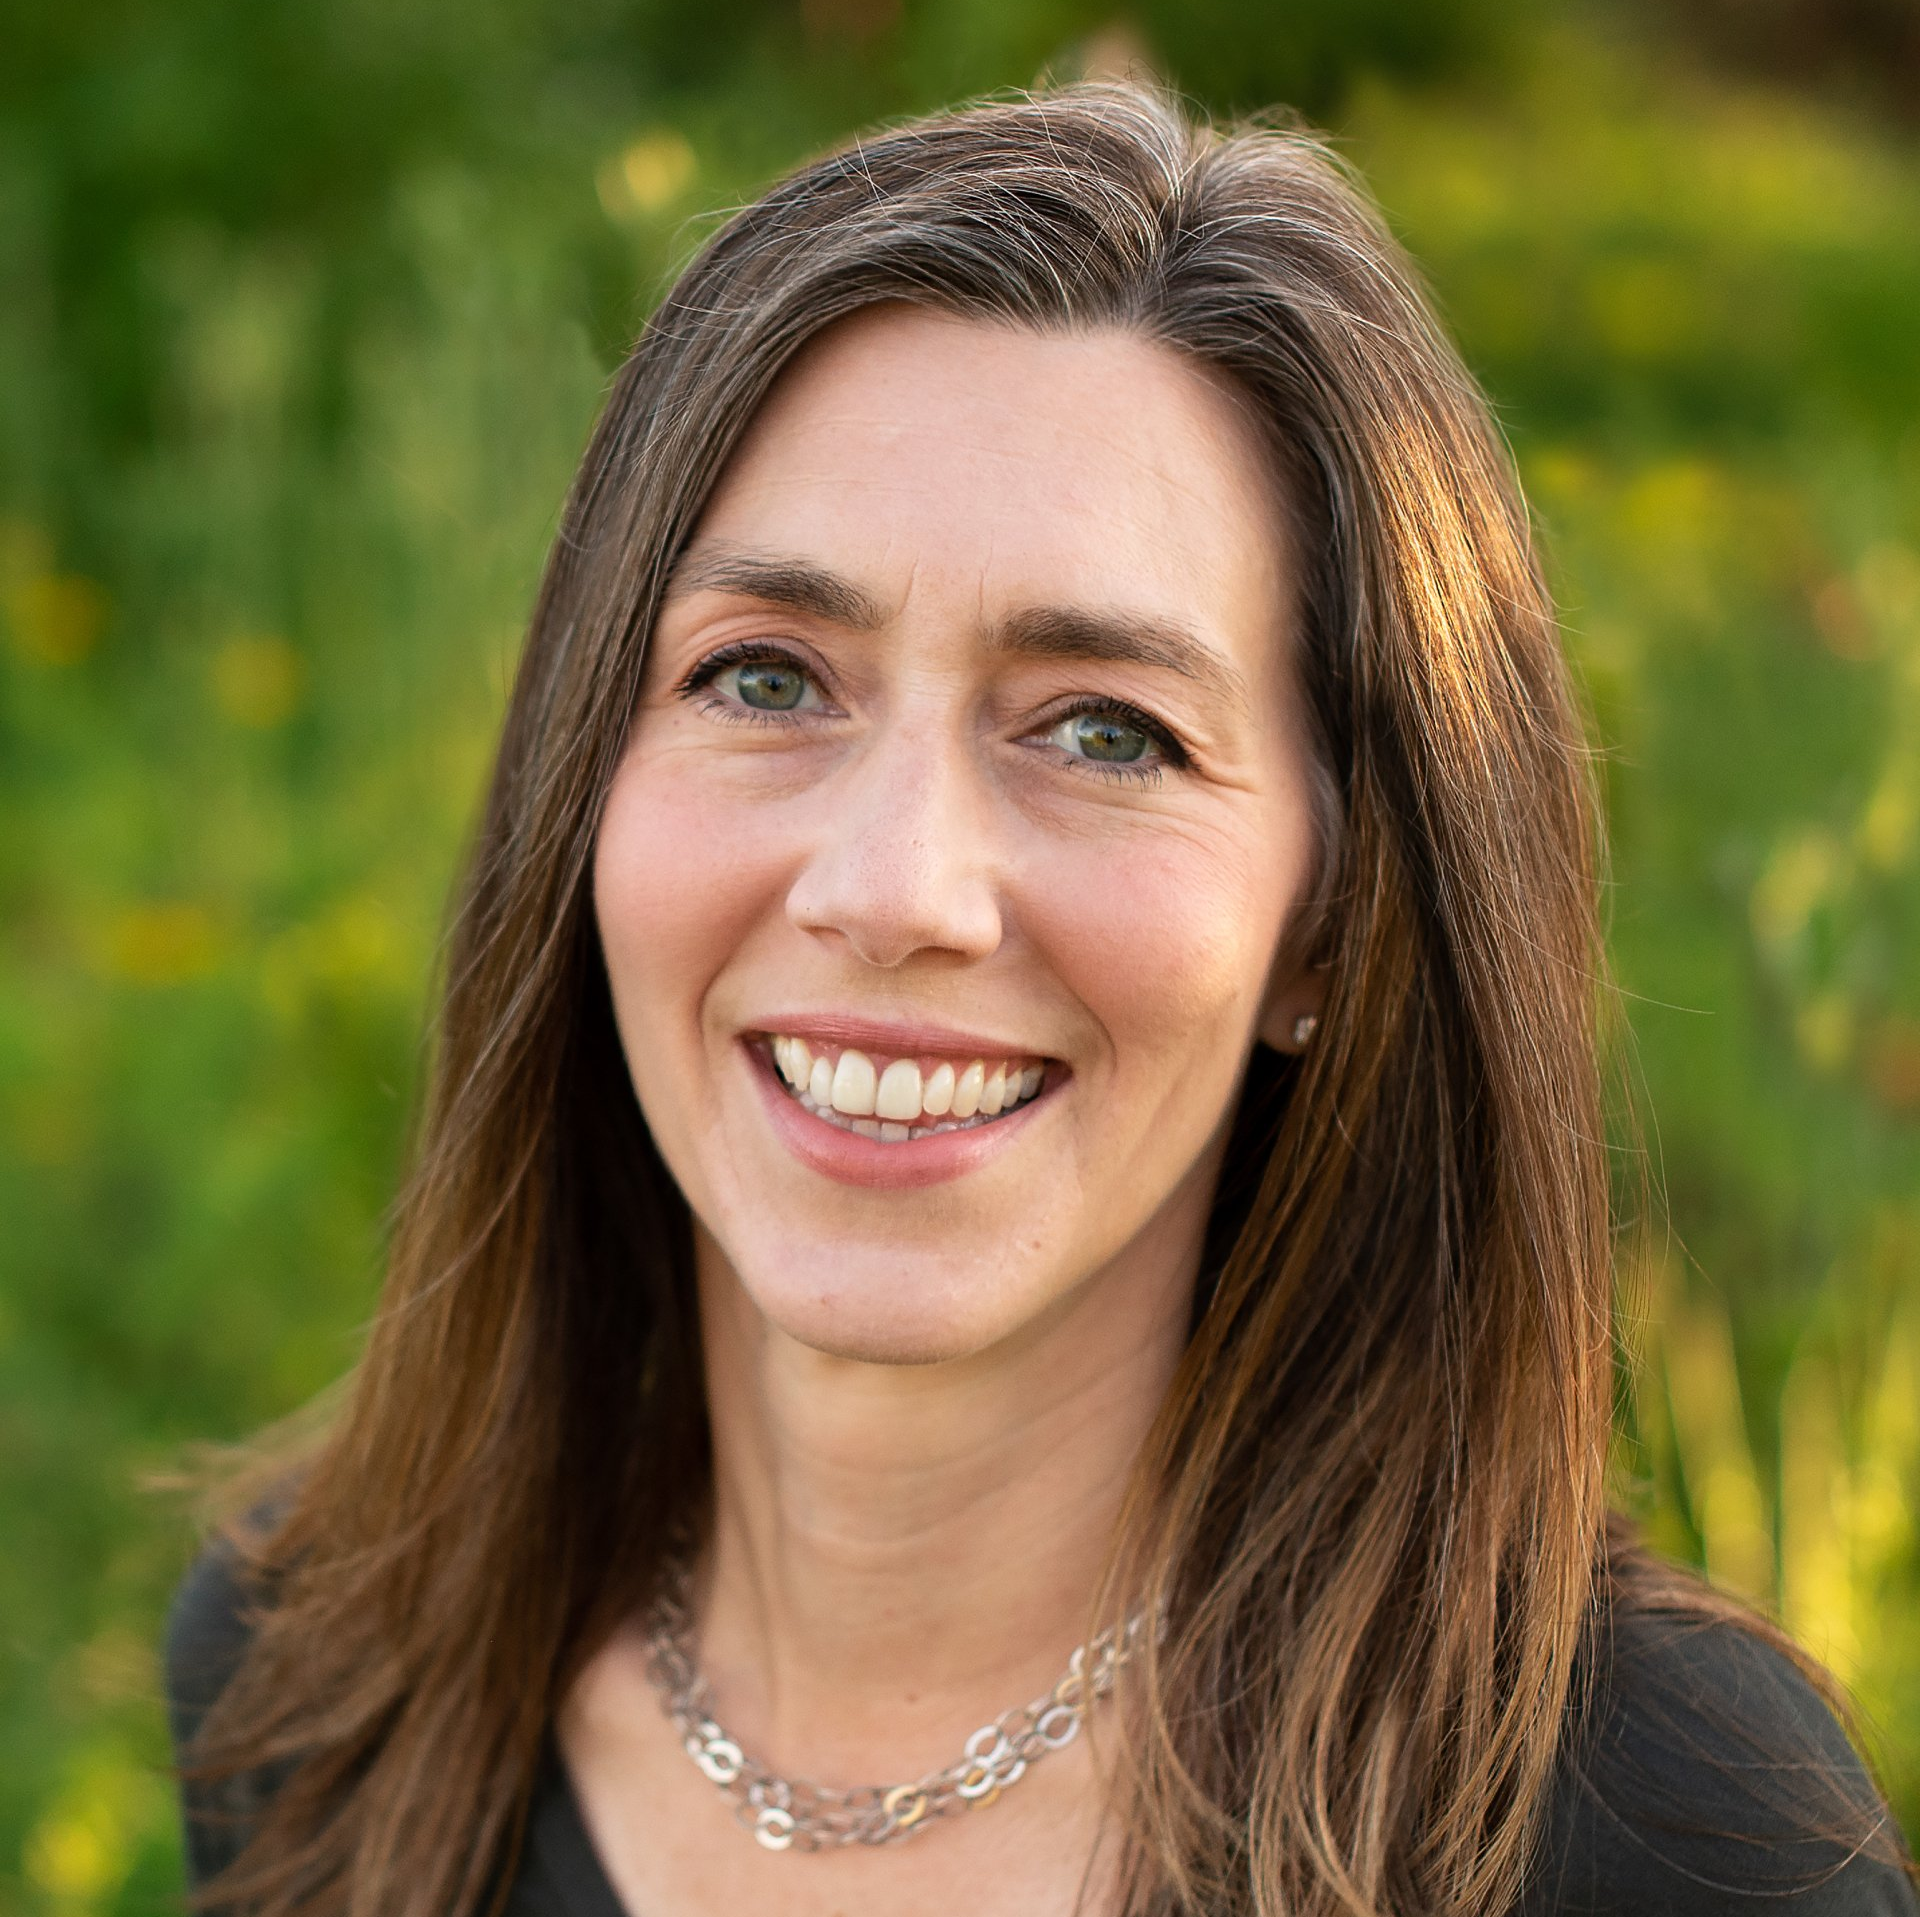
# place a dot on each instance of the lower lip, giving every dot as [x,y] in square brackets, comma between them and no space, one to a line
[853,1160]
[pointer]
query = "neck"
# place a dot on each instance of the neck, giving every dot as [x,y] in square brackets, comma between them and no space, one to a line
[900,1553]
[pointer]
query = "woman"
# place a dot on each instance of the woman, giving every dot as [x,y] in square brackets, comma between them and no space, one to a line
[1018,1072]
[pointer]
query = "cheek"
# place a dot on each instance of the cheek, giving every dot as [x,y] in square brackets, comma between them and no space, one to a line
[679,881]
[1169,941]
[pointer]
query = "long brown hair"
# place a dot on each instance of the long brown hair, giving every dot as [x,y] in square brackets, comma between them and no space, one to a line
[1373,1501]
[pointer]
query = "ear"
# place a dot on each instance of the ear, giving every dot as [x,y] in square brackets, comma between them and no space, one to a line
[1297,994]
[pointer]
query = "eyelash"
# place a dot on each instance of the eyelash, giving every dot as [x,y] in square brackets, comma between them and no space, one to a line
[743,652]
[747,652]
[1172,752]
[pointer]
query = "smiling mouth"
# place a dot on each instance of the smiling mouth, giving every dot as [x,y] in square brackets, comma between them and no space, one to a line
[896,1101]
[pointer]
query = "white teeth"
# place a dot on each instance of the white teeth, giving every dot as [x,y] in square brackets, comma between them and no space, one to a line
[897,1104]
[966,1090]
[898,1096]
[993,1095]
[937,1100]
[853,1084]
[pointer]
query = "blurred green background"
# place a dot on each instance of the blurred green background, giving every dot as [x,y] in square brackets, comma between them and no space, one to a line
[304,312]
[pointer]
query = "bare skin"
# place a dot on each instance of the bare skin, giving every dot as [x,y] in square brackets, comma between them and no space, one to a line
[928,1388]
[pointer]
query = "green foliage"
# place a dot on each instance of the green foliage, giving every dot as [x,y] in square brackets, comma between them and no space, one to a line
[1694,305]
[304,312]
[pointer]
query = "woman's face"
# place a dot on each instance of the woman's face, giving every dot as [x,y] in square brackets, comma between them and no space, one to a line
[942,882]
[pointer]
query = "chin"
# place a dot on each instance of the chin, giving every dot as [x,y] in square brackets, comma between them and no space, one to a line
[886,1305]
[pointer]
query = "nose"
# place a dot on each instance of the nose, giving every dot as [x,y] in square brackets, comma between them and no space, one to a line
[903,861]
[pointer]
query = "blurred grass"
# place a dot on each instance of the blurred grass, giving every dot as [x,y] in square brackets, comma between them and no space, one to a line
[303,316]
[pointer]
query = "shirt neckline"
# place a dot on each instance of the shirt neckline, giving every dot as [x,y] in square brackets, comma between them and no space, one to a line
[560,1849]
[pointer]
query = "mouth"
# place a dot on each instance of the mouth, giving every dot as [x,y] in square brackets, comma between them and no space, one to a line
[898,1100]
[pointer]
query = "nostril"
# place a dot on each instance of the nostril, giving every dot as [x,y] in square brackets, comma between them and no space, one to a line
[895,891]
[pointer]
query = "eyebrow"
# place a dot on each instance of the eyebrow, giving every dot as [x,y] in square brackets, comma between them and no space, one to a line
[1125,638]
[777,580]
[1034,632]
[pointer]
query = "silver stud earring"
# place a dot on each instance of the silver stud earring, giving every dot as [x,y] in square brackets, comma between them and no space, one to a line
[1303,1028]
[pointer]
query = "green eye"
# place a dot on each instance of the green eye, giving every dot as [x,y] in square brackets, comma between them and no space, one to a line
[1102,736]
[768,685]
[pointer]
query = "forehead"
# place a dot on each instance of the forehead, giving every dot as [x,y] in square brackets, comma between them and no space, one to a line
[925,454]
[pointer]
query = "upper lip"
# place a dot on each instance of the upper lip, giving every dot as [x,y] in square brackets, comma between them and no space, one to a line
[892,1038]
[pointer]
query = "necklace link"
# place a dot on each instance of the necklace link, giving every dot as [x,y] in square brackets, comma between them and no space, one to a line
[797,1814]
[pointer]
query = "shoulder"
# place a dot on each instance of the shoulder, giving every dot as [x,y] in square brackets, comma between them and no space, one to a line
[208,1630]
[210,1627]
[1708,1774]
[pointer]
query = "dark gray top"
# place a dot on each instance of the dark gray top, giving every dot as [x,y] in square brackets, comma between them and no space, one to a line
[1679,1800]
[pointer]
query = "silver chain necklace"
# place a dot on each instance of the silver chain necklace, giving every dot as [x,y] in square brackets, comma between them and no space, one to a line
[794,1814]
